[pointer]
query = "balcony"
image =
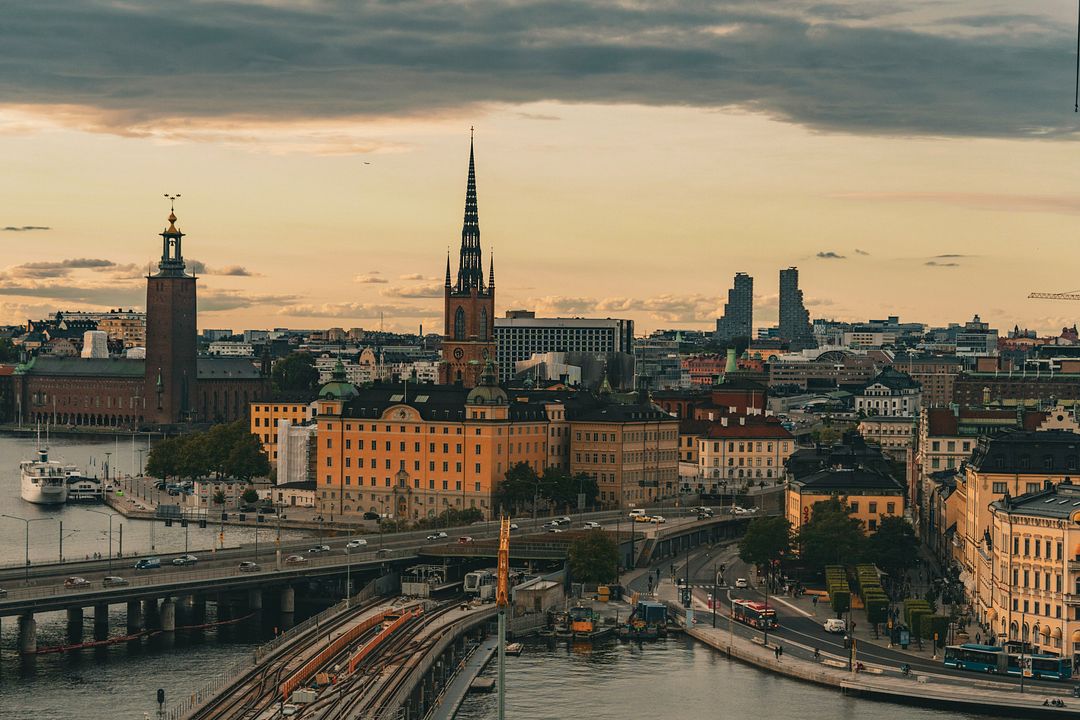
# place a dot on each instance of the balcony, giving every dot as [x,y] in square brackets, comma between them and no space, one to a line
[1074,564]
[1071,598]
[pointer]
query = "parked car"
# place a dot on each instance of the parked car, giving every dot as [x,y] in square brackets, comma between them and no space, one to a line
[741,583]
[248,566]
[113,581]
[295,560]
[76,582]
[835,625]
[591,525]
[658,519]
[353,544]
[464,540]
[185,560]
[319,549]
[149,563]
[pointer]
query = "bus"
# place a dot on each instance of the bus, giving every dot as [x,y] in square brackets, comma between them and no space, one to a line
[994,659]
[753,613]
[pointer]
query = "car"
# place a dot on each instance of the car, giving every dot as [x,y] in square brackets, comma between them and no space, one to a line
[464,540]
[635,512]
[3,593]
[702,510]
[267,510]
[353,544]
[383,552]
[76,582]
[319,549]
[289,709]
[741,583]
[642,518]
[744,511]
[113,581]
[555,529]
[835,625]
[658,519]
[248,566]
[371,516]
[437,536]
[432,537]
[591,525]
[150,563]
[513,527]
[562,520]
[295,560]
[185,560]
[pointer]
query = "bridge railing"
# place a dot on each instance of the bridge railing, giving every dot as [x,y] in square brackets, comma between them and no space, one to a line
[162,578]
[212,688]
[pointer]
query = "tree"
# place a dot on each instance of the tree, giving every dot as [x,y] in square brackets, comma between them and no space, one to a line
[518,488]
[295,373]
[894,547]
[8,351]
[250,496]
[562,488]
[219,497]
[833,536]
[594,558]
[767,541]
[246,459]
[163,460]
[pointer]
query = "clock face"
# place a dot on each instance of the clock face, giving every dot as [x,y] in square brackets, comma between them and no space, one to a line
[485,353]
[458,353]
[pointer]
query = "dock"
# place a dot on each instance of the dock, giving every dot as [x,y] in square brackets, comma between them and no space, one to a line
[465,676]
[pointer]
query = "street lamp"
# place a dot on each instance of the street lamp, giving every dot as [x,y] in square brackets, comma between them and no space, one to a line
[110,516]
[27,521]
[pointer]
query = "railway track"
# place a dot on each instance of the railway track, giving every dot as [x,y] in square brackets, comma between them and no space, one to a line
[256,691]
[369,688]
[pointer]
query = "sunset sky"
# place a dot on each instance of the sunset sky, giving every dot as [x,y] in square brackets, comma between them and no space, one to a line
[915,158]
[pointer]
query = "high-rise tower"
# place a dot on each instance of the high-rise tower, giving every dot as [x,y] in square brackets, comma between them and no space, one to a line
[469,304]
[170,335]
[794,318]
[738,320]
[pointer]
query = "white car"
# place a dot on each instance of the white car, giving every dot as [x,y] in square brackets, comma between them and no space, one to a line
[513,527]
[185,560]
[658,519]
[591,525]
[741,583]
[835,625]
[637,512]
[353,544]
[319,549]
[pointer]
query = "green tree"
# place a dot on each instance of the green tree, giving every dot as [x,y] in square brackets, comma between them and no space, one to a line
[219,497]
[894,547]
[295,373]
[594,558]
[193,456]
[833,536]
[247,459]
[767,542]
[517,489]
[250,496]
[562,488]
[163,460]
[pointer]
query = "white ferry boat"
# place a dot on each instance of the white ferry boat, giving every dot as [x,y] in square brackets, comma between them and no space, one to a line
[44,481]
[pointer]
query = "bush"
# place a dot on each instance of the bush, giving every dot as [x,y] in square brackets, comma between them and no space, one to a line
[931,624]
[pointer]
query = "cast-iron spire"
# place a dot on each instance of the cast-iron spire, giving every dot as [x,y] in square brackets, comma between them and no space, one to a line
[470,265]
[448,266]
[491,272]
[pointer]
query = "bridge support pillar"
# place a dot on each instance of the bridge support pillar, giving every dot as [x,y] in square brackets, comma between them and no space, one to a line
[101,621]
[75,624]
[27,634]
[168,615]
[255,599]
[150,613]
[198,608]
[134,617]
[288,599]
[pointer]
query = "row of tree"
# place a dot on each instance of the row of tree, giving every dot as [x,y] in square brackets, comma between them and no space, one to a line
[223,451]
[831,537]
[522,487]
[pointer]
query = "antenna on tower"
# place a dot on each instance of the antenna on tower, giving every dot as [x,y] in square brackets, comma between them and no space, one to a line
[172,201]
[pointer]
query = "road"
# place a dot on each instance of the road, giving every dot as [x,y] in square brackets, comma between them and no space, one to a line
[800,633]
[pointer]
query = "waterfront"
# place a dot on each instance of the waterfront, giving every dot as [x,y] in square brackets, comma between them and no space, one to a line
[675,678]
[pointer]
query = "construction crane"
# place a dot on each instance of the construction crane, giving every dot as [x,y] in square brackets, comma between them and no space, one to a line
[502,599]
[1071,295]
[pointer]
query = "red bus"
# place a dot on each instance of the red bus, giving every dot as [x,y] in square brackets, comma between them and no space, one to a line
[753,613]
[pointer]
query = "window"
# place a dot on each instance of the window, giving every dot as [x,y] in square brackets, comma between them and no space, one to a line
[873,508]
[854,507]
[459,324]
[890,508]
[1000,488]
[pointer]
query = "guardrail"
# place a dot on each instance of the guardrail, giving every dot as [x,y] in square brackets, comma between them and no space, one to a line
[155,578]
[212,688]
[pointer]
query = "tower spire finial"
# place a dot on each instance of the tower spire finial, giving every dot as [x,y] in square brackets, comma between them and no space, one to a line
[491,271]
[447,266]
[470,267]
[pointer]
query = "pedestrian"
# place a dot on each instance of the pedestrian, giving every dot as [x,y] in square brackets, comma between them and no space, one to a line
[780,650]
[813,601]
[776,652]
[817,654]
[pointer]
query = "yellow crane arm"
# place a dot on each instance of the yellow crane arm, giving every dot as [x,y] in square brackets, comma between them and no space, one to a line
[502,589]
[1054,296]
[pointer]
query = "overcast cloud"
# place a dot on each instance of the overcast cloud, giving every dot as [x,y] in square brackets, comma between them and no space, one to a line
[871,67]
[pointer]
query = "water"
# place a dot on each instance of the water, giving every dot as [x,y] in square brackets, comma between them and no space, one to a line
[118,681]
[672,678]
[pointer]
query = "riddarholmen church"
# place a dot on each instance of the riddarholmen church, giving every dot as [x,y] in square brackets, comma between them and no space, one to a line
[172,386]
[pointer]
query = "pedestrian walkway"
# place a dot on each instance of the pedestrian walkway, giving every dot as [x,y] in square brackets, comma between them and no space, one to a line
[450,699]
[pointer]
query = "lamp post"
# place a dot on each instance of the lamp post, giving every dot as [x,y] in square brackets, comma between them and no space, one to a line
[27,521]
[108,515]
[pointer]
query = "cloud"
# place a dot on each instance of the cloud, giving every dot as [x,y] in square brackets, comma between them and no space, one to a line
[426,290]
[413,276]
[860,252]
[934,263]
[59,268]
[370,280]
[830,255]
[112,294]
[666,307]
[217,300]
[198,267]
[235,271]
[24,228]
[951,255]
[352,310]
[864,68]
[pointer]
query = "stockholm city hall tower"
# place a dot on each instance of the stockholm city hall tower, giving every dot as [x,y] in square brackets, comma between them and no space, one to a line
[469,304]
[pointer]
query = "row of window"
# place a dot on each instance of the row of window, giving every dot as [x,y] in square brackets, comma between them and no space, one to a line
[1032,608]
[1041,549]
[758,446]
[1031,580]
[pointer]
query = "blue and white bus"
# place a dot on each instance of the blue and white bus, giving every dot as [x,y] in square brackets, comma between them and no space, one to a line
[994,659]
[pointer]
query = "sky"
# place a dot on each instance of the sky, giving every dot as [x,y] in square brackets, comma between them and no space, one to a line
[916,159]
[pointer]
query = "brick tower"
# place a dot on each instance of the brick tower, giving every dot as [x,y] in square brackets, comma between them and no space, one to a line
[469,306]
[170,335]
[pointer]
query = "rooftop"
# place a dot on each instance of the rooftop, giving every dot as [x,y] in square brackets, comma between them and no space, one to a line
[850,479]
[1059,501]
[1045,452]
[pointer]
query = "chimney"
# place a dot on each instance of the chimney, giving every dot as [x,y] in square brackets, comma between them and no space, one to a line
[712,417]
[723,422]
[742,420]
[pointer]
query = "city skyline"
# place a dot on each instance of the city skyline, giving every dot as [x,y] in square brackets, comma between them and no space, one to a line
[303,211]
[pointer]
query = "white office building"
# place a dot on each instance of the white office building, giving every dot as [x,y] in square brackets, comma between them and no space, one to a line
[521,335]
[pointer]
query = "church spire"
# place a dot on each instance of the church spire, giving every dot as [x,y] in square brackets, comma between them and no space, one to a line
[491,272]
[470,265]
[447,267]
